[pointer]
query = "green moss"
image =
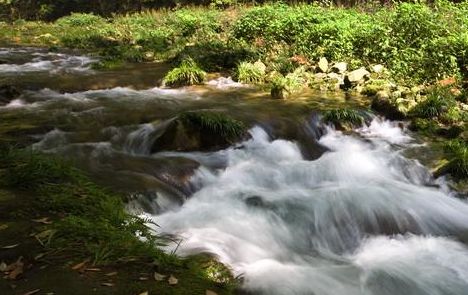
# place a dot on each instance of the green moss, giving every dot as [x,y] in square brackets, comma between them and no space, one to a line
[187,73]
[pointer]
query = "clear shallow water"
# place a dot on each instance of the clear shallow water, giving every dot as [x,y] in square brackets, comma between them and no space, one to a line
[299,208]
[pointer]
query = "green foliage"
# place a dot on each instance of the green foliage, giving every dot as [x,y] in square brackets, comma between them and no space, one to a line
[343,117]
[438,102]
[250,73]
[80,20]
[187,73]
[217,123]
[94,221]
[457,152]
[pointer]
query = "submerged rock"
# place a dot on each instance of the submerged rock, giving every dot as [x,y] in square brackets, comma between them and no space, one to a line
[7,93]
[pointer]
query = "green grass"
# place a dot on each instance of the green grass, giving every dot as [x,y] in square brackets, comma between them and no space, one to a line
[457,152]
[250,73]
[187,73]
[344,117]
[217,123]
[439,102]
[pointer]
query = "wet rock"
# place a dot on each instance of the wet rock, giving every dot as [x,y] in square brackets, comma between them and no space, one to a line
[3,61]
[279,93]
[383,103]
[204,131]
[339,67]
[322,65]
[7,93]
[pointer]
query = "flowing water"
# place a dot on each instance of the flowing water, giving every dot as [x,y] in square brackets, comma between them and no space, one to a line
[297,208]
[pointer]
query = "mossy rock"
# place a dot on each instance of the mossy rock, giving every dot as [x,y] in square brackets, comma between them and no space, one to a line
[384,104]
[345,118]
[200,131]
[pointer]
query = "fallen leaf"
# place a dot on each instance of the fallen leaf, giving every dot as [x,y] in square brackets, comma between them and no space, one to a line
[3,267]
[39,256]
[209,292]
[143,278]
[80,265]
[111,273]
[92,269]
[172,280]
[3,226]
[44,234]
[159,277]
[44,220]
[144,293]
[17,271]
[107,284]
[32,292]
[10,246]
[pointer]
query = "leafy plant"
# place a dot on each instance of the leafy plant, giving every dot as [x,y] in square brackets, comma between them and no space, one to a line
[344,117]
[250,73]
[457,151]
[187,73]
[438,102]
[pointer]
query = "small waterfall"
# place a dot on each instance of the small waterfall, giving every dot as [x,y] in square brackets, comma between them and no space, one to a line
[353,221]
[139,141]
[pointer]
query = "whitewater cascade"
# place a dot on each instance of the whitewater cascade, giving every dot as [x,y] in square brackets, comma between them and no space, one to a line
[361,219]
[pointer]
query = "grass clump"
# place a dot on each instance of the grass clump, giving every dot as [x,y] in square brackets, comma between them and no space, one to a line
[344,118]
[216,123]
[80,19]
[457,152]
[250,73]
[439,102]
[187,73]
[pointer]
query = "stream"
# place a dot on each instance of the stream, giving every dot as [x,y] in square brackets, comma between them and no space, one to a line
[296,208]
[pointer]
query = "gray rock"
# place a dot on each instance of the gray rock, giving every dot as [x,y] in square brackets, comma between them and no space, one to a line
[357,76]
[339,67]
[377,68]
[323,65]
[335,77]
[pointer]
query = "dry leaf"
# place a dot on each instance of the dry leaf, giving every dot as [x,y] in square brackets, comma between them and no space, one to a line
[111,273]
[3,267]
[39,256]
[93,269]
[17,271]
[44,234]
[32,292]
[3,226]
[107,284]
[10,246]
[44,220]
[159,277]
[143,278]
[209,292]
[144,293]
[80,265]
[172,280]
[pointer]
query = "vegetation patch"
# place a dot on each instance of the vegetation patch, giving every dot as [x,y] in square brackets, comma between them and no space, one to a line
[187,73]
[217,123]
[250,73]
[457,153]
[344,118]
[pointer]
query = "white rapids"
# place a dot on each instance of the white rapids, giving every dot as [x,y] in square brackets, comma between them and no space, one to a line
[361,219]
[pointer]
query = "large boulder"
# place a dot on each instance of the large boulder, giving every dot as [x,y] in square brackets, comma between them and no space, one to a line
[200,131]
[357,76]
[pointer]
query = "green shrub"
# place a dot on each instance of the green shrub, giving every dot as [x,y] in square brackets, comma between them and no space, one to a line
[187,73]
[81,20]
[250,73]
